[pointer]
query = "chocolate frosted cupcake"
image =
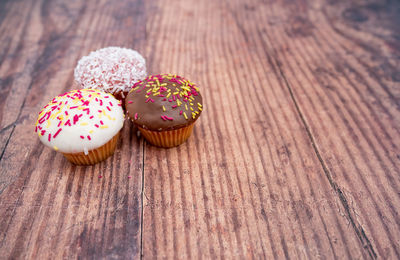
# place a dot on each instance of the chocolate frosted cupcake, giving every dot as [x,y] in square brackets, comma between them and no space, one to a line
[164,108]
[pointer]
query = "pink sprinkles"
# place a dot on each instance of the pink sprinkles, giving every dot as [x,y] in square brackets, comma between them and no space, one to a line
[58,131]
[165,118]
[174,89]
[53,110]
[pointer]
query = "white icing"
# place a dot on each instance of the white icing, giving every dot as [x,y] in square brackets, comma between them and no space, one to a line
[69,139]
[111,69]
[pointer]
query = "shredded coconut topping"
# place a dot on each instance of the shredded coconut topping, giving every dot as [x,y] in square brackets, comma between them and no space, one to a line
[112,69]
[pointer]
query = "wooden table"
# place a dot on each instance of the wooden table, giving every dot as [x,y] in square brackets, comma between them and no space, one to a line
[296,155]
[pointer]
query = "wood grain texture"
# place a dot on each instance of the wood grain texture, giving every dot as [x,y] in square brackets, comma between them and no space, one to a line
[251,171]
[49,208]
[334,80]
[296,154]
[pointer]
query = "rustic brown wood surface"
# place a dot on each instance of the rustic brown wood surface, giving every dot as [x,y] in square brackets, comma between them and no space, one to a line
[296,154]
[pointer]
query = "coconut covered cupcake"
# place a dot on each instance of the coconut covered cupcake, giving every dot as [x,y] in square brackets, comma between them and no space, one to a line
[164,108]
[83,125]
[113,70]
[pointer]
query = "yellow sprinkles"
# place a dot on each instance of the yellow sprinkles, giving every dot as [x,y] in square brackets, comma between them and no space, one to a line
[182,92]
[68,109]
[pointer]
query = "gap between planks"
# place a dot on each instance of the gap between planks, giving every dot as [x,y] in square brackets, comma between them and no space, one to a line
[14,124]
[142,204]
[357,227]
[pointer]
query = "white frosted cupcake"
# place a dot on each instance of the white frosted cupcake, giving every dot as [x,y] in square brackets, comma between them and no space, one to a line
[113,70]
[83,125]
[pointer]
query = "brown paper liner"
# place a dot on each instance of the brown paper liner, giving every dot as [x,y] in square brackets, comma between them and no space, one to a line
[94,156]
[167,139]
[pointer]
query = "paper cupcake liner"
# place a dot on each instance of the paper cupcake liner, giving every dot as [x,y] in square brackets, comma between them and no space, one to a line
[94,156]
[167,139]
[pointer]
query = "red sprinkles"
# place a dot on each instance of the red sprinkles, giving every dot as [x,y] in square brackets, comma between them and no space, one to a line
[181,90]
[58,131]
[56,111]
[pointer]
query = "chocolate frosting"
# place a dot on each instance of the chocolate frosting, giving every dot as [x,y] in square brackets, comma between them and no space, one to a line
[164,102]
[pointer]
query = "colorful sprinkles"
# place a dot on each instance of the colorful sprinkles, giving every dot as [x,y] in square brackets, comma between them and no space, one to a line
[68,110]
[178,95]
[111,69]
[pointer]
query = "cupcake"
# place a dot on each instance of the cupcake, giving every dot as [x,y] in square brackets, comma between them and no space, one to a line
[82,124]
[164,108]
[113,70]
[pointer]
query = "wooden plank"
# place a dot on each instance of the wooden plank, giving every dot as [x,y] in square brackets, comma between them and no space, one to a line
[295,155]
[49,208]
[340,64]
[248,182]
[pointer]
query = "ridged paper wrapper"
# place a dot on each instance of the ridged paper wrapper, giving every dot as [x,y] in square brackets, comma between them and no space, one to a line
[94,156]
[167,138]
